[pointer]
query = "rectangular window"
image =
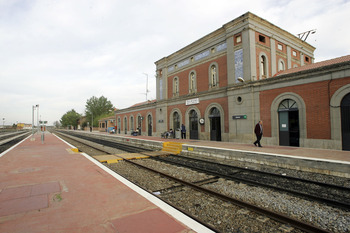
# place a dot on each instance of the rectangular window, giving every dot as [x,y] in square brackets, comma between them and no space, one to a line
[307,59]
[238,39]
[294,53]
[280,47]
[262,39]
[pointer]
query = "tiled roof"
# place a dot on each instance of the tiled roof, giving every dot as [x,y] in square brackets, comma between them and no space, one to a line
[142,103]
[315,65]
[107,118]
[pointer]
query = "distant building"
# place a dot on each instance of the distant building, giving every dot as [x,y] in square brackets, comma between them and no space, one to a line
[221,85]
[106,124]
[21,126]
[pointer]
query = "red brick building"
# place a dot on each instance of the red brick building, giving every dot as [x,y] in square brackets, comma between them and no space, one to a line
[221,85]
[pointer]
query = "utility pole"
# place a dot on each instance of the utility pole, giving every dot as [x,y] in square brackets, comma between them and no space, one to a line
[146,85]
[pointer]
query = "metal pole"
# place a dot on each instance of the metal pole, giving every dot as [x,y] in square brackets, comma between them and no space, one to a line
[146,85]
[33,120]
[37,117]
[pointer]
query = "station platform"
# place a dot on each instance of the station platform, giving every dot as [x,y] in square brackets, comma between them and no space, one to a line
[325,161]
[46,187]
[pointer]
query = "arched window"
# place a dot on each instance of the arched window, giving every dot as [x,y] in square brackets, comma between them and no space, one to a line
[213,76]
[287,104]
[125,125]
[119,125]
[176,86]
[192,84]
[214,112]
[263,66]
[281,65]
[132,123]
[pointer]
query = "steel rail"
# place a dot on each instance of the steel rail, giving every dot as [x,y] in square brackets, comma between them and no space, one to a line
[175,207]
[337,204]
[276,216]
[273,174]
[12,137]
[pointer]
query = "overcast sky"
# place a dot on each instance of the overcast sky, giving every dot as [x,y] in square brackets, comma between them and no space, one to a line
[59,53]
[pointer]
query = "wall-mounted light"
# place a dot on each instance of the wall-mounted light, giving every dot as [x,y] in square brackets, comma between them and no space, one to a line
[240,79]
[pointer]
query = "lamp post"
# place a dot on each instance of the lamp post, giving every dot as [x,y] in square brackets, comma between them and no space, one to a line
[37,117]
[33,108]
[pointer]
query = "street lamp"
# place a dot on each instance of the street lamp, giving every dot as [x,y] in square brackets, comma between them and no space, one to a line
[37,117]
[33,108]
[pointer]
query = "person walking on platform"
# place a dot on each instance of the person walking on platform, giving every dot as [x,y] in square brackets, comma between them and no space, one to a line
[258,132]
[183,131]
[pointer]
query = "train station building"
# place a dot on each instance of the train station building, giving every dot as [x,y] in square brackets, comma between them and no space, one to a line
[248,70]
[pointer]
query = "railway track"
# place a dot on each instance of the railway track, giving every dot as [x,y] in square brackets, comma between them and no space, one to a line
[7,140]
[334,195]
[197,186]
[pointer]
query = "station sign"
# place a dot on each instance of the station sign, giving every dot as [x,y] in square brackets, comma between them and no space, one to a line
[237,117]
[192,101]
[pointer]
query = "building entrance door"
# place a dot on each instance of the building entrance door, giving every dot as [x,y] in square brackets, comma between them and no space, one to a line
[125,126]
[215,125]
[193,124]
[149,118]
[119,125]
[345,122]
[288,115]
[139,124]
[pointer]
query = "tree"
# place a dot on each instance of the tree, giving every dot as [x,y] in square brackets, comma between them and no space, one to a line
[70,118]
[57,124]
[97,107]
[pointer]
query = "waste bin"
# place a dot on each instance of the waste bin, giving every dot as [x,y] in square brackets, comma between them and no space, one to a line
[177,134]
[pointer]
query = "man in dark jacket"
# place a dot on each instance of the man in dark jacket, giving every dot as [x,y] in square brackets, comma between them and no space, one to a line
[258,132]
[183,131]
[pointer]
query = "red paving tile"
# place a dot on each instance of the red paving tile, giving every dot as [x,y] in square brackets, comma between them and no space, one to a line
[151,221]
[46,188]
[20,205]
[13,193]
